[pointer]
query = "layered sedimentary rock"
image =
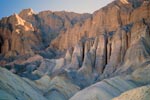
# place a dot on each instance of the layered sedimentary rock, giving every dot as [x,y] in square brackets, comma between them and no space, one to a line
[141,93]
[110,88]
[106,19]
[112,43]
[112,53]
[27,32]
[104,90]
[127,46]
[17,36]
[49,24]
[141,74]
[13,87]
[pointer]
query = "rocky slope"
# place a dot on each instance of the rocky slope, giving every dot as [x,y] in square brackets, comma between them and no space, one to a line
[13,87]
[107,89]
[17,36]
[104,90]
[142,93]
[27,32]
[64,55]
[107,19]
[49,24]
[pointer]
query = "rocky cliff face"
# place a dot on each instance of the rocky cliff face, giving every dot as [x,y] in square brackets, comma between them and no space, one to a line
[50,24]
[108,50]
[107,19]
[22,33]
[115,28]
[17,36]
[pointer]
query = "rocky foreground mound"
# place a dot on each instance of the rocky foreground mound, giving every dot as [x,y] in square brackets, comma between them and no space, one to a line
[70,56]
[142,93]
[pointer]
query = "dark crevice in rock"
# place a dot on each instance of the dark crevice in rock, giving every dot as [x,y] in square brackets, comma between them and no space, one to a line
[9,44]
[148,30]
[127,28]
[6,26]
[1,44]
[83,54]
[136,3]
[106,52]
[110,50]
[10,27]
[127,41]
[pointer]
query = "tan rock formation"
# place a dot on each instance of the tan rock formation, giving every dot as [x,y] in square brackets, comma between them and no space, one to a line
[138,47]
[106,19]
[26,12]
[27,27]
[49,24]
[104,90]
[101,54]
[61,86]
[114,41]
[13,87]
[125,1]
[17,36]
[77,56]
[141,93]
[141,75]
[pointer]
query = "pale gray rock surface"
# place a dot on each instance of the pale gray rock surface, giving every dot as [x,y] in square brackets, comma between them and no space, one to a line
[141,93]
[16,88]
[104,90]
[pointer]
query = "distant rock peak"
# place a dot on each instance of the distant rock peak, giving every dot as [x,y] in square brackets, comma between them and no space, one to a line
[17,20]
[134,3]
[27,12]
[125,1]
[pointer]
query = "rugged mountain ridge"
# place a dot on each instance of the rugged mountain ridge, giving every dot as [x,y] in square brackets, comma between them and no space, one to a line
[50,24]
[116,37]
[36,30]
[107,19]
[96,53]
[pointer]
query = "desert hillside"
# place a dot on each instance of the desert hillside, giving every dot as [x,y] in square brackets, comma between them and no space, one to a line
[69,56]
